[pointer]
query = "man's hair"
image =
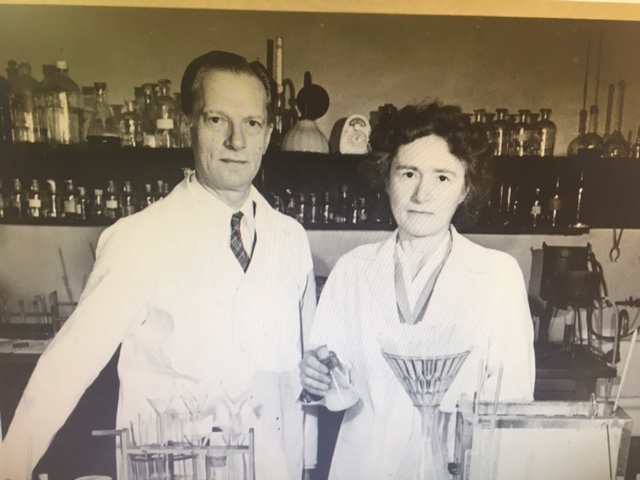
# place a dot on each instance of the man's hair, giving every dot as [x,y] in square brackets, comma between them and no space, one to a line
[467,142]
[216,60]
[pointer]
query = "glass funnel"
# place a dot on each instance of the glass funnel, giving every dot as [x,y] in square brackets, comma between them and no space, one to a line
[426,380]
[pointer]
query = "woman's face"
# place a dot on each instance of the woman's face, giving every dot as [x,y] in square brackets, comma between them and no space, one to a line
[426,185]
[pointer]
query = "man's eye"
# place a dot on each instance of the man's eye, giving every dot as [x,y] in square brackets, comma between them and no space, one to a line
[255,124]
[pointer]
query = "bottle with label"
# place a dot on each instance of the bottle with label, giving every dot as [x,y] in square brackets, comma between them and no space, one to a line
[103,129]
[545,137]
[166,135]
[53,208]
[97,205]
[81,204]
[149,116]
[555,206]
[34,197]
[277,203]
[63,107]
[290,203]
[128,202]
[301,210]
[147,197]
[521,135]
[166,105]
[69,200]
[500,133]
[111,202]
[535,212]
[326,209]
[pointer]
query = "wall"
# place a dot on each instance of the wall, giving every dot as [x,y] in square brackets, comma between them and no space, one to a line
[362,60]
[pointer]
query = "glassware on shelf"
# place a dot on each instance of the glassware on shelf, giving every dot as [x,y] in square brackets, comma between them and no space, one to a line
[580,142]
[182,123]
[34,198]
[81,204]
[149,116]
[103,128]
[555,206]
[521,135]
[166,134]
[2,200]
[63,99]
[130,128]
[594,145]
[26,113]
[635,148]
[111,202]
[16,204]
[326,209]
[500,133]
[578,220]
[147,197]
[545,135]
[535,212]
[97,205]
[128,201]
[5,112]
[343,210]
[53,208]
[425,380]
[70,200]
[616,145]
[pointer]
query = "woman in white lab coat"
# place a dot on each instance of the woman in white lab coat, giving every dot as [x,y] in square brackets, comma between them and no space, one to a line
[427,286]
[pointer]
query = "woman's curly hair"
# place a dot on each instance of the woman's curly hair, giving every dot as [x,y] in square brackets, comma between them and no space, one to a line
[467,142]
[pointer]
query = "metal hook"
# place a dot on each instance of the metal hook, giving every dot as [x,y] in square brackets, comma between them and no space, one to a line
[614,253]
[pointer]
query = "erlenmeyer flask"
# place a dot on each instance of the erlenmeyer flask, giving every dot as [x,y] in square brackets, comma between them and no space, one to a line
[594,141]
[103,128]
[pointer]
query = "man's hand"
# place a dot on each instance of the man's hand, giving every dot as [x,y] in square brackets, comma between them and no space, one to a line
[314,376]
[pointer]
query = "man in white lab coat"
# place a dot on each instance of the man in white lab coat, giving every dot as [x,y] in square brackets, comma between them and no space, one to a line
[426,291]
[208,292]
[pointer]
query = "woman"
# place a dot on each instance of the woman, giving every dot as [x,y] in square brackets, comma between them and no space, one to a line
[425,287]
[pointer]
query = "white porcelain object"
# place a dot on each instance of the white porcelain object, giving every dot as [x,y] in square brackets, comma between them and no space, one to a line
[355,135]
[305,136]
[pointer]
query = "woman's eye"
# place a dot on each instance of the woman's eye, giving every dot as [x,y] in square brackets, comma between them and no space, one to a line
[215,120]
[443,178]
[408,174]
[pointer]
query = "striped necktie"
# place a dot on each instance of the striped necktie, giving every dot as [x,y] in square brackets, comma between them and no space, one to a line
[236,241]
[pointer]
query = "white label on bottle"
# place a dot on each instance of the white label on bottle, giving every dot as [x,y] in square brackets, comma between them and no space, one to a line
[35,203]
[111,204]
[149,140]
[69,206]
[536,210]
[164,124]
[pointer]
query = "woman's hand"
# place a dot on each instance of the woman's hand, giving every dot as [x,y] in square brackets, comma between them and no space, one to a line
[314,376]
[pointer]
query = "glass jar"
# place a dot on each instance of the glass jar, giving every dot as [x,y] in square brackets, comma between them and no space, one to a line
[103,128]
[545,135]
[63,99]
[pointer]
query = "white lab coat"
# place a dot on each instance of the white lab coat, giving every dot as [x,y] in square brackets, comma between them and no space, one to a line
[168,288]
[479,303]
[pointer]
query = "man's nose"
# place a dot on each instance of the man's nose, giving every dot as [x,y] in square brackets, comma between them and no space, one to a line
[235,139]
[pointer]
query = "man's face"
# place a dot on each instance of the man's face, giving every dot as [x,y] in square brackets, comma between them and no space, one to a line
[229,131]
[426,185]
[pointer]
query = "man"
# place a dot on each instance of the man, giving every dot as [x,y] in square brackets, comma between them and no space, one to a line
[208,291]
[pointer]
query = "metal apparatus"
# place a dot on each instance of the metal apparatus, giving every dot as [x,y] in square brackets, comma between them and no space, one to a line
[541,440]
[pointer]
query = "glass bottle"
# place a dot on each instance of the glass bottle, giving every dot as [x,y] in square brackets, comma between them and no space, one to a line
[34,198]
[111,202]
[5,112]
[63,106]
[53,209]
[635,148]
[363,213]
[290,203]
[128,202]
[578,222]
[617,145]
[147,197]
[159,194]
[314,210]
[166,135]
[15,208]
[88,108]
[165,189]
[521,135]
[301,210]
[535,212]
[555,206]
[70,200]
[2,201]
[103,129]
[24,113]
[343,210]
[500,133]
[594,141]
[130,126]
[97,205]
[81,204]
[580,142]
[326,209]
[164,99]
[545,134]
[149,116]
